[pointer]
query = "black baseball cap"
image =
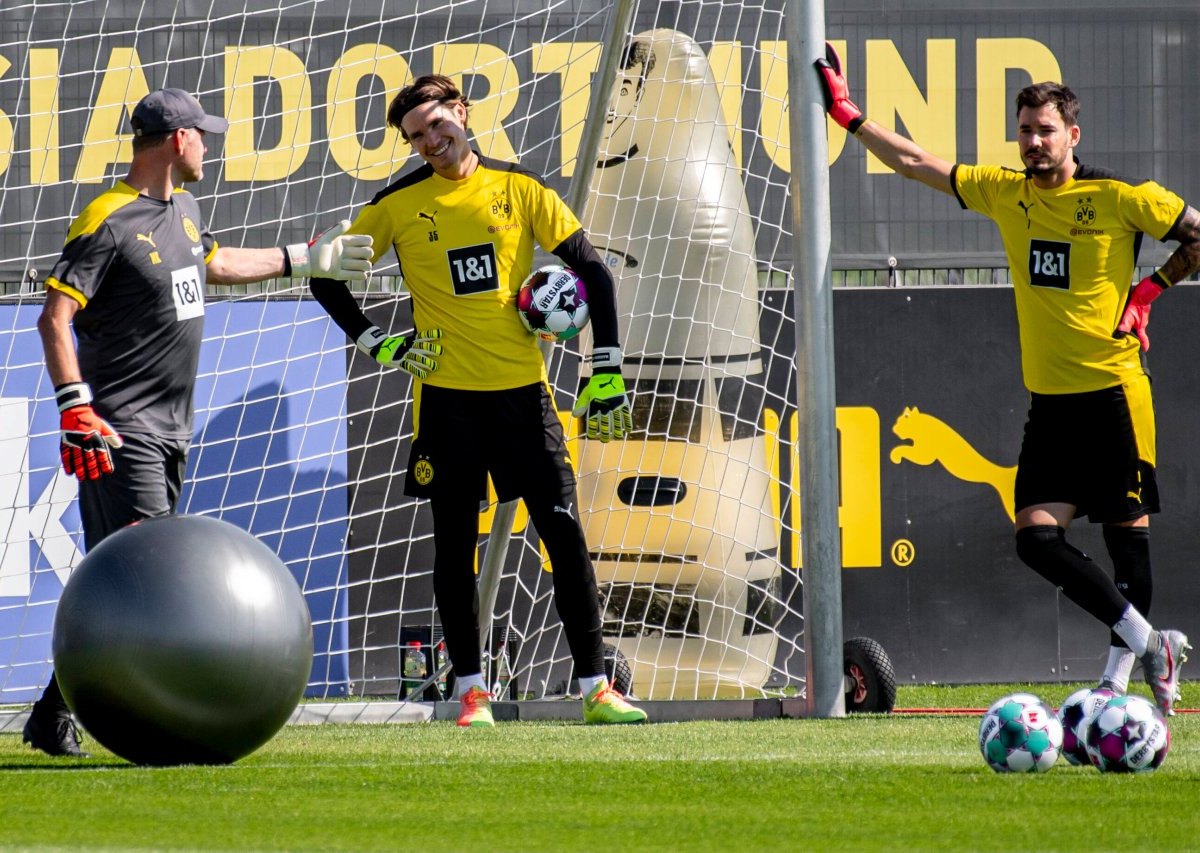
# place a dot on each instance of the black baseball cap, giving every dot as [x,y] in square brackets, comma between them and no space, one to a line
[164,110]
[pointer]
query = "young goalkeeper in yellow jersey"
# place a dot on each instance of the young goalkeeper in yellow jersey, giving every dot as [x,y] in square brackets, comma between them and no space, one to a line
[463,227]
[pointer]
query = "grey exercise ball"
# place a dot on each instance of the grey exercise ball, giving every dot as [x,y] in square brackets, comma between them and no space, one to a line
[182,640]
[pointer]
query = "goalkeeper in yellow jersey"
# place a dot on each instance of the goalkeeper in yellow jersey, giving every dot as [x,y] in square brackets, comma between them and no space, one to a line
[1071,233]
[463,227]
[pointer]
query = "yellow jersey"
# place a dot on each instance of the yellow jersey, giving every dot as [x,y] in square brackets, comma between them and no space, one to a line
[1072,251]
[464,249]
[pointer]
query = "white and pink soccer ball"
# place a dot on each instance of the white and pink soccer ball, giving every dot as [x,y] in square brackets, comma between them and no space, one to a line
[1075,715]
[1127,734]
[552,303]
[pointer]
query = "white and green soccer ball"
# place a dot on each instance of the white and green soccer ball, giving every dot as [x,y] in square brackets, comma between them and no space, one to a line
[1020,734]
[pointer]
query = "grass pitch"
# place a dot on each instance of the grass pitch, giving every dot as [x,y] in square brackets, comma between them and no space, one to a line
[898,782]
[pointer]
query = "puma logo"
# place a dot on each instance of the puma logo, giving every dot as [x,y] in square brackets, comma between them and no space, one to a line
[1025,209]
[430,216]
[1137,496]
[147,238]
[608,383]
[566,509]
[935,441]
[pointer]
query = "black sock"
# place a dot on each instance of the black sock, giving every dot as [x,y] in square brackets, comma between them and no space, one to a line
[1044,548]
[1129,549]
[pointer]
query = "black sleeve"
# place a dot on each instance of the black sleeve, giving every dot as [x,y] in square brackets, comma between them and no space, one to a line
[579,254]
[340,304]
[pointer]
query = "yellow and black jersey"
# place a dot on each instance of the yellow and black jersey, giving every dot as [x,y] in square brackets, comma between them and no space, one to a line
[136,266]
[1072,252]
[464,248]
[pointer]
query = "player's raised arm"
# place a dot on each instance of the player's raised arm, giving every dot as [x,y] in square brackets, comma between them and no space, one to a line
[897,152]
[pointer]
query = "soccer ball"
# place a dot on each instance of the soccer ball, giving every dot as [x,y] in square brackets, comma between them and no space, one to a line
[552,304]
[1020,734]
[1127,735]
[1075,715]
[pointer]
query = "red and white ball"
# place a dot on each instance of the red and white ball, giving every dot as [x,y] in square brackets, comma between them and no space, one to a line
[552,303]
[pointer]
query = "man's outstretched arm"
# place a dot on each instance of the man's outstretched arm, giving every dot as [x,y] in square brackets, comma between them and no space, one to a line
[897,152]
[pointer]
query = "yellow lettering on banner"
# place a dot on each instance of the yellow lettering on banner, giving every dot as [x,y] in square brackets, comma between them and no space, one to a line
[392,72]
[244,68]
[860,513]
[725,61]
[487,113]
[773,124]
[574,63]
[993,59]
[43,116]
[123,85]
[6,127]
[931,122]
[771,426]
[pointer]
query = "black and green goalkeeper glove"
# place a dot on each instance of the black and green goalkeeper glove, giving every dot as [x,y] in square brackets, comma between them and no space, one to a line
[415,353]
[603,401]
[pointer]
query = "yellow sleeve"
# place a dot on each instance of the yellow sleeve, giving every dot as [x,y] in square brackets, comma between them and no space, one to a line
[977,186]
[552,220]
[1151,209]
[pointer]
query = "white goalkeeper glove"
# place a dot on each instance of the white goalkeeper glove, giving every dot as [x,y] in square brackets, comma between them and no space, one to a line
[333,254]
[415,353]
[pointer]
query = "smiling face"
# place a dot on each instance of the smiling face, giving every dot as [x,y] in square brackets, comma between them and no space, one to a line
[1046,143]
[438,132]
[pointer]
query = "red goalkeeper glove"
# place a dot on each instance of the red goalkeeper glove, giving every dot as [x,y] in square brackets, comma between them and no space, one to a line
[86,440]
[1136,316]
[837,94]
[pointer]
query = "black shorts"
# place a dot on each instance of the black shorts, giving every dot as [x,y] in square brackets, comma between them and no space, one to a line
[462,436]
[145,483]
[1094,450]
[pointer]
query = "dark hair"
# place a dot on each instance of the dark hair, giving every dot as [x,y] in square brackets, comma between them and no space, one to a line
[1062,98]
[638,53]
[430,87]
[154,140]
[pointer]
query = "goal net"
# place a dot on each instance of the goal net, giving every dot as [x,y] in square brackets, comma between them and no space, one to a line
[299,440]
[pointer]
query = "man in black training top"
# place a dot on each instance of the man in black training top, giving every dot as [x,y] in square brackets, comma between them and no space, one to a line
[1071,233]
[131,280]
[463,226]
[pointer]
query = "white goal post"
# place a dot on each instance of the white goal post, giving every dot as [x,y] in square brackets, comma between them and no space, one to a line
[692,522]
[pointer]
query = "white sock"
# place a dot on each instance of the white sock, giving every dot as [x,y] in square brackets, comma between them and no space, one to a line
[462,685]
[589,683]
[1120,664]
[1133,628]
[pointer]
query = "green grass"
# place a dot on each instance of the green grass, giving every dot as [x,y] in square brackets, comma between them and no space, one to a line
[861,783]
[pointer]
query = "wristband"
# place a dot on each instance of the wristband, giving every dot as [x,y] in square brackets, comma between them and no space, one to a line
[297,259]
[369,341]
[605,358]
[1166,282]
[72,394]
